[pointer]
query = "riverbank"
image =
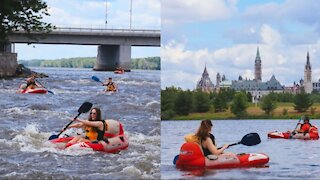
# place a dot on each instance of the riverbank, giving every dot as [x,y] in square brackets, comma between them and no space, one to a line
[283,111]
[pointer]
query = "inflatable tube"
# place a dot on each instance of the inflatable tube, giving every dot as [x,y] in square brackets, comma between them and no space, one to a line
[119,71]
[191,155]
[113,145]
[287,135]
[35,91]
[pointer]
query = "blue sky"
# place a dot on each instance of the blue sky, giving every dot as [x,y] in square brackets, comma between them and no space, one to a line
[92,14]
[224,36]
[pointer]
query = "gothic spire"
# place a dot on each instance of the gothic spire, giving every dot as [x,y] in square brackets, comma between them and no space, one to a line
[258,56]
[205,72]
[308,65]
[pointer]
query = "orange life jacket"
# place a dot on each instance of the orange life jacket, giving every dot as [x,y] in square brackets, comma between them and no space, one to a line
[93,133]
[305,128]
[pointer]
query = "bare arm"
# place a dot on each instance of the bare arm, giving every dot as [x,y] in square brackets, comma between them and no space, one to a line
[212,148]
[76,125]
[97,124]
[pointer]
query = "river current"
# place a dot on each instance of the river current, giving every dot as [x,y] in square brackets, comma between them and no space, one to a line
[289,159]
[28,120]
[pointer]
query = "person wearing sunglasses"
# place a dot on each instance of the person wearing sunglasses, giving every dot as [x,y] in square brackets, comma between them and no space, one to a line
[96,129]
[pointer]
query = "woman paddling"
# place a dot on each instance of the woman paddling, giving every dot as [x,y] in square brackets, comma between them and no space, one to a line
[207,140]
[96,130]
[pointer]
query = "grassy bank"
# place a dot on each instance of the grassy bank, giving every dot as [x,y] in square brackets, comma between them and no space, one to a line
[283,111]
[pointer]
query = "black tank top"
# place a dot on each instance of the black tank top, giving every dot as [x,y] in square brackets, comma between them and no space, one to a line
[206,151]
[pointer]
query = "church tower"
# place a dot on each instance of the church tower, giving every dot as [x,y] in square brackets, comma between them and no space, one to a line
[257,67]
[307,81]
[218,81]
[205,84]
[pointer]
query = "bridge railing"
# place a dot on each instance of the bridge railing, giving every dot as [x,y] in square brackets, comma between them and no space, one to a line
[73,29]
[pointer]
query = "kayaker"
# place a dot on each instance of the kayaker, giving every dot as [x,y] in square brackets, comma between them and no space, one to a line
[304,127]
[111,86]
[207,140]
[120,69]
[93,127]
[96,130]
[31,83]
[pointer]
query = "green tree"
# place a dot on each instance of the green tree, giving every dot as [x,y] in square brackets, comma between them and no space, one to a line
[302,102]
[168,97]
[239,105]
[268,104]
[220,103]
[201,101]
[183,103]
[24,15]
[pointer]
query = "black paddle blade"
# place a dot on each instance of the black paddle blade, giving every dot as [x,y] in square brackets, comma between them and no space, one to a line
[175,159]
[95,78]
[85,107]
[53,137]
[50,92]
[251,139]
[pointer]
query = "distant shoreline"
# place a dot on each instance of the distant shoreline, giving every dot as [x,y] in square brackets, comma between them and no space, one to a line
[254,113]
[147,63]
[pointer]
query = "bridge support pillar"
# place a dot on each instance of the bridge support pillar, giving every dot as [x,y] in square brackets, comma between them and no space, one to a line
[5,47]
[8,60]
[8,64]
[111,57]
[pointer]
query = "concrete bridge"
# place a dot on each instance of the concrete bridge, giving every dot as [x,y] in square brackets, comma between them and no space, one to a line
[114,45]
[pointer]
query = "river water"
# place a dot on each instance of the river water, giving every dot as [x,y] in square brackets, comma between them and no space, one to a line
[289,159]
[27,121]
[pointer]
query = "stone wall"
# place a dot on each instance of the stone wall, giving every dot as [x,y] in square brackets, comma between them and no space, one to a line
[8,64]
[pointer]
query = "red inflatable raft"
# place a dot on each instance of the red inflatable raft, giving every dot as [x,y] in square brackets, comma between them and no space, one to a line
[35,91]
[191,155]
[312,135]
[114,144]
[119,71]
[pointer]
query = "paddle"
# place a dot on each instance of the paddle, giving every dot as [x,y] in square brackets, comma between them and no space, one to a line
[250,139]
[293,132]
[95,78]
[43,86]
[85,107]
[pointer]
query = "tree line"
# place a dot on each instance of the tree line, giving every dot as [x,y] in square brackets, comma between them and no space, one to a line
[151,63]
[178,102]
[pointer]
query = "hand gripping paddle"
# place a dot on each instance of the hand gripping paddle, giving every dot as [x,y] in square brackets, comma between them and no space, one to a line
[85,107]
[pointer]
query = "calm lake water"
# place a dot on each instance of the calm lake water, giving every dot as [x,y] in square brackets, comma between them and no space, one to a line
[289,159]
[27,121]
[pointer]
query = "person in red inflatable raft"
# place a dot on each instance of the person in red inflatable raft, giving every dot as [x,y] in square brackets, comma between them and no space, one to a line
[96,130]
[304,129]
[206,140]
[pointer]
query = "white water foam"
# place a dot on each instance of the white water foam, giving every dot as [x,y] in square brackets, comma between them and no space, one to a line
[137,83]
[152,104]
[32,140]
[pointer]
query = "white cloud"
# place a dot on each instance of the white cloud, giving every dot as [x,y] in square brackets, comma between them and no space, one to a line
[248,74]
[187,11]
[185,80]
[175,53]
[286,63]
[270,36]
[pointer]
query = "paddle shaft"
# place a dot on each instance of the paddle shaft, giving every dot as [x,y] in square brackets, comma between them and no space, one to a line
[68,125]
[297,124]
[43,86]
[232,144]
